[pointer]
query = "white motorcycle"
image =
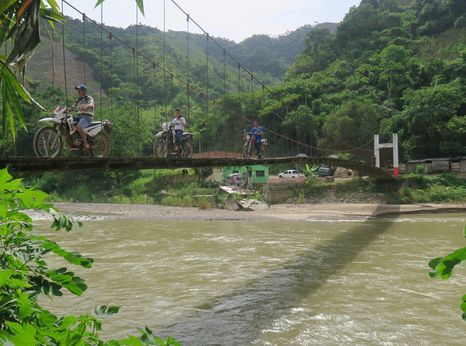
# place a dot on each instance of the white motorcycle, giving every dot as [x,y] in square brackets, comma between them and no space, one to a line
[49,140]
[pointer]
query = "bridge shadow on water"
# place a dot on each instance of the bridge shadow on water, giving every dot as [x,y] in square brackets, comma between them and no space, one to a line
[240,317]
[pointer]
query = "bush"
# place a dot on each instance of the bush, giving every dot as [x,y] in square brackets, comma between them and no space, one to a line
[25,276]
[421,170]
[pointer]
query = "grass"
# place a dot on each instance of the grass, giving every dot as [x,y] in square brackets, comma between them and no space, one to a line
[443,188]
[186,189]
[411,188]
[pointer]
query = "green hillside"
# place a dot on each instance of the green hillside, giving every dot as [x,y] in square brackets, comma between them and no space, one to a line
[268,58]
[391,66]
[216,96]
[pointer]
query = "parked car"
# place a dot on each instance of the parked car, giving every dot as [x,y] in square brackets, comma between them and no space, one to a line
[291,173]
[325,171]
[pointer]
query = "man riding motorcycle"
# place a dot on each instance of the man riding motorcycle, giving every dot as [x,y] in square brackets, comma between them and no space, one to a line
[256,132]
[180,125]
[85,106]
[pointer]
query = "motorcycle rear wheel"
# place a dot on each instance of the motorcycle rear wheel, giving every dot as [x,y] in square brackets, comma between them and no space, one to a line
[160,148]
[47,142]
[187,149]
[100,145]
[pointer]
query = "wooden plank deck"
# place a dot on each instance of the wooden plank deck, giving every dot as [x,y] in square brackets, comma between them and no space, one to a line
[35,164]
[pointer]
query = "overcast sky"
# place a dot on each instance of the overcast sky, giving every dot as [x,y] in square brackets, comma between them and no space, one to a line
[232,19]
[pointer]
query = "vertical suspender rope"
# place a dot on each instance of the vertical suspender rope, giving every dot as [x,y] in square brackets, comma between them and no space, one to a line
[251,98]
[110,36]
[187,61]
[207,77]
[84,48]
[135,99]
[53,69]
[64,58]
[5,153]
[224,84]
[164,59]
[101,59]
[52,65]
[239,81]
[137,78]
[171,85]
[155,102]
[239,100]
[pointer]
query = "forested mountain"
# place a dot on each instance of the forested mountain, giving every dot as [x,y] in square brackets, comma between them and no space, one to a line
[266,57]
[91,56]
[391,66]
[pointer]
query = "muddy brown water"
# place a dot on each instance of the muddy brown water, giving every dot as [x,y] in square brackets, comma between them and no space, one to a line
[332,282]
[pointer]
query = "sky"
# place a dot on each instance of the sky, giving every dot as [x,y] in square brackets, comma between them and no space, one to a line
[232,19]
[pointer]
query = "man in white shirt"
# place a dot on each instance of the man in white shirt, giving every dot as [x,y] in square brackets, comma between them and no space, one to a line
[179,123]
[85,106]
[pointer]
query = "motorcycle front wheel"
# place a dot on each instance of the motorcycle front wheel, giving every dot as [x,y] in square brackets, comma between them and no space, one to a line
[247,150]
[160,148]
[100,145]
[47,142]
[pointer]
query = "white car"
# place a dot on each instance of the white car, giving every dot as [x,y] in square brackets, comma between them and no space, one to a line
[291,173]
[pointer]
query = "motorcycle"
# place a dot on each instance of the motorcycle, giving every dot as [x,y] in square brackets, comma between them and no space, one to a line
[164,143]
[249,147]
[49,140]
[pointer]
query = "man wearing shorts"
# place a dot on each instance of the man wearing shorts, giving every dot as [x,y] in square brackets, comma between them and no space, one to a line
[85,106]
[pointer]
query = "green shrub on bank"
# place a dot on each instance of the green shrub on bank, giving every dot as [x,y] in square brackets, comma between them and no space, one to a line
[443,188]
[411,188]
[25,275]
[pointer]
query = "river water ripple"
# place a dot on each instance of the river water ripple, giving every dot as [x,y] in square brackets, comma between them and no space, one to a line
[272,282]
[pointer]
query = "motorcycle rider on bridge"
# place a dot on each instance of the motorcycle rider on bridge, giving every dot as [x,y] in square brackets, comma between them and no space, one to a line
[180,125]
[85,107]
[256,132]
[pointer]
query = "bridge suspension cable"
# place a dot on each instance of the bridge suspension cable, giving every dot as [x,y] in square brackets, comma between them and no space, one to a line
[64,58]
[204,94]
[236,61]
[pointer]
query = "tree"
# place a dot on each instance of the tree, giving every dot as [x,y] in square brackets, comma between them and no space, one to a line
[425,116]
[25,275]
[19,24]
[352,125]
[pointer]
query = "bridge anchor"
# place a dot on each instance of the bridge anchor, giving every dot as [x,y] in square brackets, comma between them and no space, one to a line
[394,145]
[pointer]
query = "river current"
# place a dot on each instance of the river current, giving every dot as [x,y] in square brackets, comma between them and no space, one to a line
[327,282]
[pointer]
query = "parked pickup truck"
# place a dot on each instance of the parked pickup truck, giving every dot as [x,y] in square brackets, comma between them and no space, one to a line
[291,173]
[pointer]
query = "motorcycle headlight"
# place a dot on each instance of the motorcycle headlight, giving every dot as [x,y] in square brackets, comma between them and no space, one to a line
[108,126]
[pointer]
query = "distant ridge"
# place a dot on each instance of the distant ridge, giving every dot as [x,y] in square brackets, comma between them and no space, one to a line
[263,55]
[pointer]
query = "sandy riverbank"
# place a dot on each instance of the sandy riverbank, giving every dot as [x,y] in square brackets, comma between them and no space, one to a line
[297,212]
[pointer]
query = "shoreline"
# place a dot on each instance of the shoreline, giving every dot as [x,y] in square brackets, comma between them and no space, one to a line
[290,212]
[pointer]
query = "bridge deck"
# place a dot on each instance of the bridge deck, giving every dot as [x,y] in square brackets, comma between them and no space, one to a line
[35,164]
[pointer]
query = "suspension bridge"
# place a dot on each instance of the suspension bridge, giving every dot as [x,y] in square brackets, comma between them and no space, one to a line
[34,164]
[201,100]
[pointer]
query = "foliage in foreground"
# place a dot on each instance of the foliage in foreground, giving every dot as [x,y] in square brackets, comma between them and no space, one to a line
[442,267]
[25,275]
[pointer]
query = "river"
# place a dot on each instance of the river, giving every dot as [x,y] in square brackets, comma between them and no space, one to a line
[320,282]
